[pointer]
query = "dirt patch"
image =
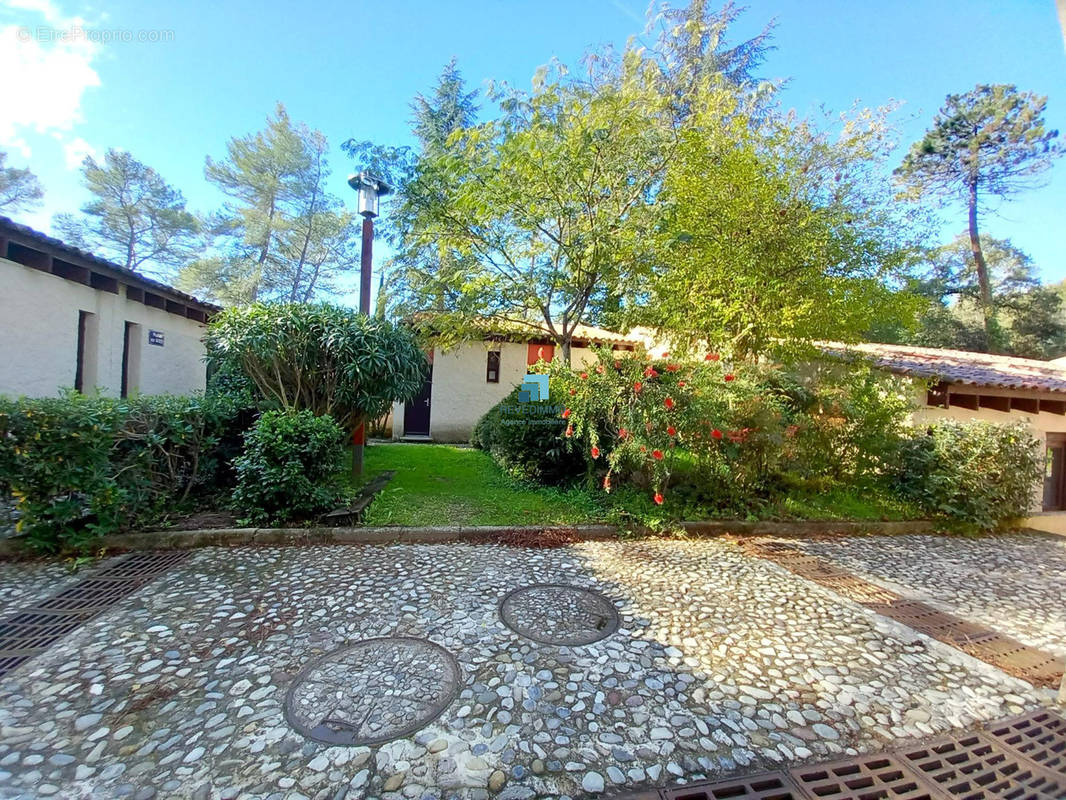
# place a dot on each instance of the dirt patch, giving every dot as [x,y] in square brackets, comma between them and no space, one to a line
[205,520]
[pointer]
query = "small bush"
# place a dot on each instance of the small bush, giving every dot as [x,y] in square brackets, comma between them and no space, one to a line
[526,440]
[290,466]
[81,467]
[978,474]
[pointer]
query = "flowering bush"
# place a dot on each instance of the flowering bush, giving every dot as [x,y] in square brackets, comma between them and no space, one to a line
[643,420]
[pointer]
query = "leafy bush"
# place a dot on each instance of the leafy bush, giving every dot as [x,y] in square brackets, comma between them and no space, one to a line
[978,474]
[319,357]
[290,466]
[526,440]
[80,467]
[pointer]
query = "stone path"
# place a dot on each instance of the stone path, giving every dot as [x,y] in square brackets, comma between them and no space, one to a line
[1013,583]
[721,662]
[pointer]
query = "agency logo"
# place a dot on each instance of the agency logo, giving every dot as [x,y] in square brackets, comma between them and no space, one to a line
[534,389]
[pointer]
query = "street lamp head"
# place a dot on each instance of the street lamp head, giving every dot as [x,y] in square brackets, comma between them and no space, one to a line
[370,188]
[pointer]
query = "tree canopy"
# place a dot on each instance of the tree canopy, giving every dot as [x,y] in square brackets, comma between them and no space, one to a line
[991,140]
[134,217]
[19,188]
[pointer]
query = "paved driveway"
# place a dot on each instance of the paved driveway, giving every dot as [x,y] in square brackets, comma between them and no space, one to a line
[721,662]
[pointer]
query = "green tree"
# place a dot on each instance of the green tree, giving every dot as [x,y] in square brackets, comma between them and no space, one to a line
[990,141]
[283,235]
[777,232]
[19,188]
[135,217]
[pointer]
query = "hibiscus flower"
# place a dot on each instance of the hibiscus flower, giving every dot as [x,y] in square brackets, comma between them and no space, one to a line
[711,357]
[717,434]
[669,402]
[595,452]
[657,455]
[658,499]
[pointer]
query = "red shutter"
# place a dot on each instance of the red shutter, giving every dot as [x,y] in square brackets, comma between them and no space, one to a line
[536,352]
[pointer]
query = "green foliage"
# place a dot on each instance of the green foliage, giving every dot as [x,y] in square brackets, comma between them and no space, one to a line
[19,188]
[283,236]
[80,467]
[976,474]
[290,466]
[526,440]
[324,358]
[134,217]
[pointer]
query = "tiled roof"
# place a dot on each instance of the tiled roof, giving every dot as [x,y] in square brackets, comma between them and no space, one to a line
[959,366]
[11,229]
[526,331]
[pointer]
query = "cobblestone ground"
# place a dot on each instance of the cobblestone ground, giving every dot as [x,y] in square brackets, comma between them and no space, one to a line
[25,582]
[1014,583]
[720,662]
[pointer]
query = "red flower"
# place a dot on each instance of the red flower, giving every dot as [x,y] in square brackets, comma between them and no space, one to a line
[717,434]
[638,386]
[673,367]
[573,391]
[569,430]
[671,430]
[566,413]
[584,376]
[711,357]
[650,373]
[607,482]
[595,452]
[599,369]
[681,384]
[643,449]
[657,455]
[666,355]
[730,377]
[669,402]
[658,499]
[622,433]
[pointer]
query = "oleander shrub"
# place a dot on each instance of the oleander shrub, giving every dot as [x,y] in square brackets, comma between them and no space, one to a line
[526,440]
[979,475]
[290,466]
[80,467]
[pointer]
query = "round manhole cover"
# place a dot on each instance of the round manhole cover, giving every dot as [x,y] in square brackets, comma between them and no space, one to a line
[373,691]
[554,613]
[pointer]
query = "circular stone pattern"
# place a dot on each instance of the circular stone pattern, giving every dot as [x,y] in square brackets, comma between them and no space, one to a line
[373,691]
[554,613]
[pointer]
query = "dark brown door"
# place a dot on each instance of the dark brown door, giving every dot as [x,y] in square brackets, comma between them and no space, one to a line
[1055,473]
[416,411]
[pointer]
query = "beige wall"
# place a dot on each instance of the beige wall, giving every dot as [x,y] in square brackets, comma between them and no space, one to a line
[39,339]
[461,395]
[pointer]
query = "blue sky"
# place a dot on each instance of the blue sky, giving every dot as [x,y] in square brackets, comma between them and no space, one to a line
[351,68]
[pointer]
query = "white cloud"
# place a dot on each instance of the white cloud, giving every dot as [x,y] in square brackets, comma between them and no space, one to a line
[74,152]
[47,68]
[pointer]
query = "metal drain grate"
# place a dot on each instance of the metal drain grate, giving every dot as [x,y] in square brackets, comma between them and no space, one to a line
[770,786]
[1040,736]
[934,622]
[976,768]
[36,628]
[863,778]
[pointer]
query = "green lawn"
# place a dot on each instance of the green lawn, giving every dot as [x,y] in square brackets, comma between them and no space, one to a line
[439,485]
[442,485]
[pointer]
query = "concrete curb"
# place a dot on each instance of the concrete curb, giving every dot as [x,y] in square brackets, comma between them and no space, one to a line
[475,534]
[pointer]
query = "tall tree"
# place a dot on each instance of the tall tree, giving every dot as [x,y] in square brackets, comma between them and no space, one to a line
[992,141]
[19,188]
[449,108]
[135,217]
[283,234]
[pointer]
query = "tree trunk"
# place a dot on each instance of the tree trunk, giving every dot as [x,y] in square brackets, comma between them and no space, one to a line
[987,311]
[564,348]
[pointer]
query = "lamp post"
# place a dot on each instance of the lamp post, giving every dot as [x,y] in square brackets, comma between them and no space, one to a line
[370,190]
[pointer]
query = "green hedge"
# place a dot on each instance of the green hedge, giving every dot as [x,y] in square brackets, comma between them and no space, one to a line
[81,467]
[526,440]
[290,467]
[979,475]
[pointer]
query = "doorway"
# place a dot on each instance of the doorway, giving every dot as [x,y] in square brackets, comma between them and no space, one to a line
[1055,473]
[416,410]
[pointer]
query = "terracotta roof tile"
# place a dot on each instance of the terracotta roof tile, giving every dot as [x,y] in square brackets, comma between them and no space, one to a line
[959,366]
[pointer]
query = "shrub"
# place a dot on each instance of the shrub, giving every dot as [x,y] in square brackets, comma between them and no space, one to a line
[290,466]
[80,467]
[978,474]
[319,357]
[526,440]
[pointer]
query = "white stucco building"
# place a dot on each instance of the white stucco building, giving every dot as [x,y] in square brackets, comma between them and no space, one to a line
[466,381]
[70,319]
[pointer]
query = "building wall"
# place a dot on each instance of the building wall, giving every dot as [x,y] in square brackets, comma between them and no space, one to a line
[461,395]
[39,339]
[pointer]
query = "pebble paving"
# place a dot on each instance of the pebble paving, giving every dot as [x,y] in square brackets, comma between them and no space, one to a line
[1013,583]
[721,662]
[24,582]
